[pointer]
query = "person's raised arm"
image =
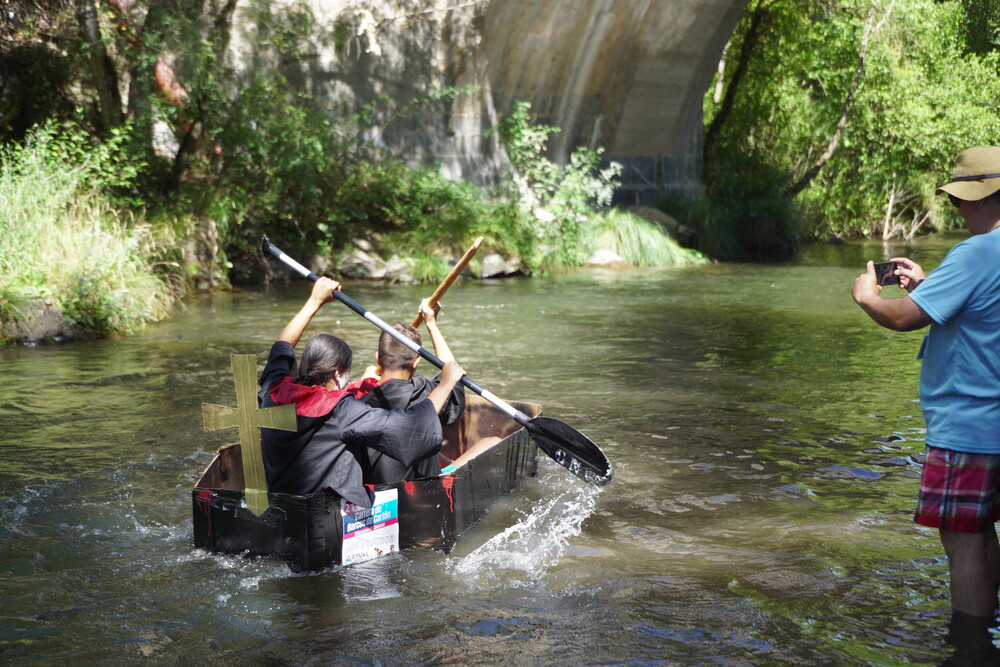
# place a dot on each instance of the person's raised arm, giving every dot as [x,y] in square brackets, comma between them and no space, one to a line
[897,314]
[451,374]
[441,349]
[322,293]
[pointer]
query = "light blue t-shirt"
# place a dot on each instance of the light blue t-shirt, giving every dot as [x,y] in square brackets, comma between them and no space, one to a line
[960,375]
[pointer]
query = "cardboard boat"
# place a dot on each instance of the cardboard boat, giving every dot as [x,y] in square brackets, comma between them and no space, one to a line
[321,529]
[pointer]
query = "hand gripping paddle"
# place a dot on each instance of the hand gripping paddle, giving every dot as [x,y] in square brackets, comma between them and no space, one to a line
[560,441]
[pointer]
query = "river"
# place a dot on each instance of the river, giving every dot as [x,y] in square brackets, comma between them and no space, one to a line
[765,434]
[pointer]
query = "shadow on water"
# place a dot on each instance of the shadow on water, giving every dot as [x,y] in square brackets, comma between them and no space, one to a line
[766,439]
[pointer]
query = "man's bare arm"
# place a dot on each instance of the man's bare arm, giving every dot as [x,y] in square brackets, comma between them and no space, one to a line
[897,314]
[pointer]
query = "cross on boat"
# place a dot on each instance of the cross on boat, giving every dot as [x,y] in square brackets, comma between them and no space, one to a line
[249,418]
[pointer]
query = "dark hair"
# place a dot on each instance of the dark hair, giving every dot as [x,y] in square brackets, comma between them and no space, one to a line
[393,355]
[994,198]
[324,355]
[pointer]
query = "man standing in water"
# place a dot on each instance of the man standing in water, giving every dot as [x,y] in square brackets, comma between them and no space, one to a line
[959,387]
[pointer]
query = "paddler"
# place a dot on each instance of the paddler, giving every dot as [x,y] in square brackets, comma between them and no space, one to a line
[400,387]
[335,428]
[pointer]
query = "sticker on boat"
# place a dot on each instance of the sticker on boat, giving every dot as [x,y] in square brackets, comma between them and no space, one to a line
[370,533]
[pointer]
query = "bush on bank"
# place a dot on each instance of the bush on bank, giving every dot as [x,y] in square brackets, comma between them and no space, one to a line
[62,242]
[68,238]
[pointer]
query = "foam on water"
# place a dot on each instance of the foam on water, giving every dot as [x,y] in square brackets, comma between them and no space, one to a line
[518,555]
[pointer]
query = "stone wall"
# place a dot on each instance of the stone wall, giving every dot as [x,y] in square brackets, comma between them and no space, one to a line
[625,75]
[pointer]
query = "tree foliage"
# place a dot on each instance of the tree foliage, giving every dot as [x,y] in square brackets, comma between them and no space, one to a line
[925,92]
[982,25]
[556,201]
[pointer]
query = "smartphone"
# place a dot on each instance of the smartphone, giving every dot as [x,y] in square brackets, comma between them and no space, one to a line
[885,273]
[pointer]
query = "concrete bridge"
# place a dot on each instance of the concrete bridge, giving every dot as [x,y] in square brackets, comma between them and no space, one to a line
[625,75]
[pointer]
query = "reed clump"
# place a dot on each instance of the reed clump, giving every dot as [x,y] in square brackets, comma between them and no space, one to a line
[639,241]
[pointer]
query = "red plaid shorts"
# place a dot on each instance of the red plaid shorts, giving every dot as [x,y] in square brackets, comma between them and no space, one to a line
[959,490]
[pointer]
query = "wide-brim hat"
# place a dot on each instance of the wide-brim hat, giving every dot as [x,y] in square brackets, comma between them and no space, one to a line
[976,175]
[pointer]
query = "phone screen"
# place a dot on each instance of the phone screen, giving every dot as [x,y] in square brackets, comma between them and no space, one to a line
[885,273]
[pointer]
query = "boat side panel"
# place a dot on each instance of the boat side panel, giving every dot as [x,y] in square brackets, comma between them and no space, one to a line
[426,513]
[225,471]
[490,476]
[435,512]
[304,530]
[308,531]
[482,419]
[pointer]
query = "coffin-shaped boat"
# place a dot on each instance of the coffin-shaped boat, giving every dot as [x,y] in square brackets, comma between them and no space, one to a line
[492,453]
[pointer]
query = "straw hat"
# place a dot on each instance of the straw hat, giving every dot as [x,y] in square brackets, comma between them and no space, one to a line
[976,175]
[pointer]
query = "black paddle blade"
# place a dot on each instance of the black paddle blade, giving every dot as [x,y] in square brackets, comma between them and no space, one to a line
[571,449]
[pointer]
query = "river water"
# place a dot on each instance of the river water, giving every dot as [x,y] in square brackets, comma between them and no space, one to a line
[766,439]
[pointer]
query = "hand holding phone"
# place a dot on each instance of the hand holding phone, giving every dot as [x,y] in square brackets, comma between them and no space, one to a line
[910,273]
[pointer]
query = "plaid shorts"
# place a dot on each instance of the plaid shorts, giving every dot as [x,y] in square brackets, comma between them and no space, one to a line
[959,490]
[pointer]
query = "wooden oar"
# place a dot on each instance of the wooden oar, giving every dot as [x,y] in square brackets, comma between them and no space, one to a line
[560,441]
[434,298]
[456,271]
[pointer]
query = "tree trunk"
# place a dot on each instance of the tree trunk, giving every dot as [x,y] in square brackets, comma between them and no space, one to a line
[186,151]
[754,30]
[101,68]
[813,171]
[142,67]
[886,229]
[720,77]
[194,131]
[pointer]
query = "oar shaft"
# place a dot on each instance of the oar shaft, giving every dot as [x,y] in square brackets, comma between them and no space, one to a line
[456,271]
[279,254]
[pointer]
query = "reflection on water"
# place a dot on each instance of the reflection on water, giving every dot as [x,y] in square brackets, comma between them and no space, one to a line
[765,435]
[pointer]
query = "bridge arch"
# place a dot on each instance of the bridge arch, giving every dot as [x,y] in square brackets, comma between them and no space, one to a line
[625,75]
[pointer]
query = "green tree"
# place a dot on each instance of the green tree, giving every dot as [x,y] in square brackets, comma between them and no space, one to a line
[861,104]
[982,25]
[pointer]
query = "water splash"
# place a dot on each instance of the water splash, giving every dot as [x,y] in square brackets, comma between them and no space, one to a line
[521,553]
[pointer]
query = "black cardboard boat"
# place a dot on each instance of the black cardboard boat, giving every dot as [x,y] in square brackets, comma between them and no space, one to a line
[319,530]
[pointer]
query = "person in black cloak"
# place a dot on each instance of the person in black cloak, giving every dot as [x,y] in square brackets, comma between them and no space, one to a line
[336,429]
[400,387]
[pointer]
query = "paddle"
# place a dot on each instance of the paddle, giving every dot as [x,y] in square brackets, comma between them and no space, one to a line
[456,271]
[453,275]
[560,441]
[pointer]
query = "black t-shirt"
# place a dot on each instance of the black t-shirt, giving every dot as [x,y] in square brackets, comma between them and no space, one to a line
[335,431]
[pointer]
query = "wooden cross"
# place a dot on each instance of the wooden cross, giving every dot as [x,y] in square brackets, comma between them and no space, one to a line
[249,418]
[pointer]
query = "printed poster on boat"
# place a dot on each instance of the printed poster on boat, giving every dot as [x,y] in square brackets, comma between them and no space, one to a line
[370,533]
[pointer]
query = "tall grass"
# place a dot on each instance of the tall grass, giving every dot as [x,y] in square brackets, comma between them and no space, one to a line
[62,241]
[638,241]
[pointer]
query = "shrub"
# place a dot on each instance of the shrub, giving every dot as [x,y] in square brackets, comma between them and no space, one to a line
[60,239]
[745,212]
[556,202]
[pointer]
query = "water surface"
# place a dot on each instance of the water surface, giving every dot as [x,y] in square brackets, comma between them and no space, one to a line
[766,439]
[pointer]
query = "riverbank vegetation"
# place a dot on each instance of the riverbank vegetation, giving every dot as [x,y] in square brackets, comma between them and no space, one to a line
[840,117]
[176,183]
[64,243]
